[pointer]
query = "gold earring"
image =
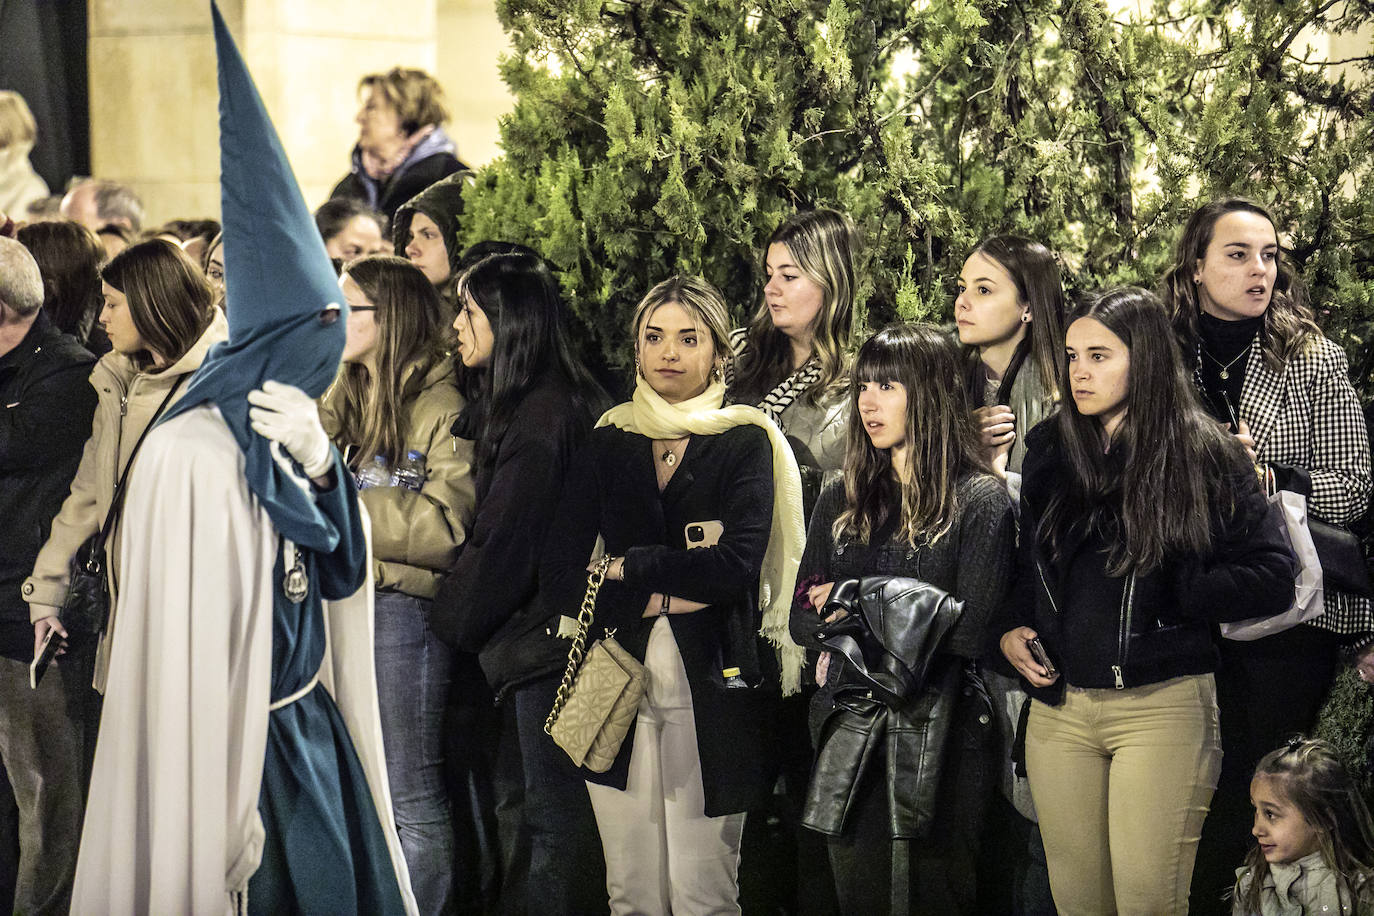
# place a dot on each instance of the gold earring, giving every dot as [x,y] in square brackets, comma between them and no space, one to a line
[1025,317]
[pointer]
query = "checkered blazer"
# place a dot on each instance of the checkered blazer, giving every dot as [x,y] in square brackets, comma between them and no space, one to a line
[1308,416]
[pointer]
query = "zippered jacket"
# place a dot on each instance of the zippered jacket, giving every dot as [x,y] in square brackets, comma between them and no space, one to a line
[45,418]
[1105,631]
[127,400]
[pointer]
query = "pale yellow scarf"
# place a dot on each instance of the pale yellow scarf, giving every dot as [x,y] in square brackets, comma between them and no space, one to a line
[649,415]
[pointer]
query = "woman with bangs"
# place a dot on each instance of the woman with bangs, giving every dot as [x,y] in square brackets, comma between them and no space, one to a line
[1142,527]
[699,506]
[1265,371]
[919,500]
[395,400]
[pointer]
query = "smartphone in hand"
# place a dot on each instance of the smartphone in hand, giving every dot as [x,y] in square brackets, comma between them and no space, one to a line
[46,653]
[1042,658]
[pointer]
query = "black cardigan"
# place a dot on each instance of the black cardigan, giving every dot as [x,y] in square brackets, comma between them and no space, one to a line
[489,601]
[612,490]
[1163,626]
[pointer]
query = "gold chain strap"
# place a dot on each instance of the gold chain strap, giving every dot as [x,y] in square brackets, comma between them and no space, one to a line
[579,643]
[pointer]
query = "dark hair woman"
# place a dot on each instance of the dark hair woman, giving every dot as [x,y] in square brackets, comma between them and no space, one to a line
[790,360]
[402,148]
[1264,369]
[69,257]
[396,400]
[213,265]
[161,321]
[699,507]
[350,230]
[1010,318]
[1142,526]
[530,403]
[918,501]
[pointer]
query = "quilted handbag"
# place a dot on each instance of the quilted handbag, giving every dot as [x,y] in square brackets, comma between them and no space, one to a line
[600,692]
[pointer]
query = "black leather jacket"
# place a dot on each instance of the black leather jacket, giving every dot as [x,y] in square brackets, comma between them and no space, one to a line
[895,690]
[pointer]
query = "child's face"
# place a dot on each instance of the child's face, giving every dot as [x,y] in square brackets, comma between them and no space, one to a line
[1283,833]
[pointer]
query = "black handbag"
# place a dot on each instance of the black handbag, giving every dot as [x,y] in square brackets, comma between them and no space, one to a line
[86,609]
[1342,558]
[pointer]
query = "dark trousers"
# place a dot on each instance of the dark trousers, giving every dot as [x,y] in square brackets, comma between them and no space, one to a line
[43,739]
[943,866]
[567,867]
[1267,690]
[1013,877]
[487,790]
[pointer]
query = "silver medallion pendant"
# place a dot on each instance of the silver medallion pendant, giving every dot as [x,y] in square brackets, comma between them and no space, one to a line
[1225,375]
[296,584]
[669,458]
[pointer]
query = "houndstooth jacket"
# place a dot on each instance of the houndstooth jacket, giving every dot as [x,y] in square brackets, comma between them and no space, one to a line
[1308,416]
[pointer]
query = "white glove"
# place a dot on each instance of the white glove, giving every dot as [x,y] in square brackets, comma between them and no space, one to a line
[289,416]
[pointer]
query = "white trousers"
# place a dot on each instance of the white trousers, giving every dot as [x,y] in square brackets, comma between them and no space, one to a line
[663,854]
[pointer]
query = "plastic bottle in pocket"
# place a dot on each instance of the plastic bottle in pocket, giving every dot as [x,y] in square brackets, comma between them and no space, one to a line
[410,471]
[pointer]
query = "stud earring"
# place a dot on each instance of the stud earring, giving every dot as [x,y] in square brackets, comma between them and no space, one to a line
[1025,317]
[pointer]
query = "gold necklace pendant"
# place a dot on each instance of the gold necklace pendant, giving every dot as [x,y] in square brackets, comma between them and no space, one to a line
[668,457]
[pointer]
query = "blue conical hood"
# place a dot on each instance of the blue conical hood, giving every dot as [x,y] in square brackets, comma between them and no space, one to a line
[286,314]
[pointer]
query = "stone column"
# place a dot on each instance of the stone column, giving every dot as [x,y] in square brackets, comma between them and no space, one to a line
[154,102]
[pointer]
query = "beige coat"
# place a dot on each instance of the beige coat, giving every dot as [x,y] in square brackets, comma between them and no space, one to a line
[127,401]
[416,535]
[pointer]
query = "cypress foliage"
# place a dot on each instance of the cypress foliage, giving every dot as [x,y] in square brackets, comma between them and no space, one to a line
[653,136]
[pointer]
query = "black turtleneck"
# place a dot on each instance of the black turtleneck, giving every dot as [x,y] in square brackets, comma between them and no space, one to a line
[1224,344]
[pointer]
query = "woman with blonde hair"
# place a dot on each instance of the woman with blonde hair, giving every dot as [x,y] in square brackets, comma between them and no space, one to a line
[20,185]
[402,147]
[699,506]
[392,407]
[790,360]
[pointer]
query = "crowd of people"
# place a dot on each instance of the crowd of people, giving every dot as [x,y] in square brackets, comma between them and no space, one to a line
[950,599]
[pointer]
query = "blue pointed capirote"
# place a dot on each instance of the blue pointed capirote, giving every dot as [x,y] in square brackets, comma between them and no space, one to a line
[286,314]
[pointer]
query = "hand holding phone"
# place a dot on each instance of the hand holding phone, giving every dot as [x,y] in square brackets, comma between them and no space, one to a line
[1042,658]
[46,653]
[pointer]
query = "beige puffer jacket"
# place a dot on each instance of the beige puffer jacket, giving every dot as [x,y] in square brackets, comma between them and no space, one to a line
[127,401]
[416,535]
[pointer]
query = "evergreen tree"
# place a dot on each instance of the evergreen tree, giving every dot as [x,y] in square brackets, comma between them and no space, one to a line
[653,136]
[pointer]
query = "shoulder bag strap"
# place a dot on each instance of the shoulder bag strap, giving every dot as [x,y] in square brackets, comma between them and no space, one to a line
[98,546]
[579,643]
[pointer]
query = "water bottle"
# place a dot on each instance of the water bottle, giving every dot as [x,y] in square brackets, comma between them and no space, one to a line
[374,474]
[410,471]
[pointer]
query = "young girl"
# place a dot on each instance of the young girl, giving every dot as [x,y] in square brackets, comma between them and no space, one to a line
[396,397]
[918,500]
[1142,526]
[1316,840]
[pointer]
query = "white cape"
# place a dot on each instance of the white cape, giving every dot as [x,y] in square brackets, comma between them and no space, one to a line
[172,825]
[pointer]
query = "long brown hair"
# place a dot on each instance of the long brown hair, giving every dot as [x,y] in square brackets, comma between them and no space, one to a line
[824,245]
[170,301]
[1032,268]
[1288,321]
[1170,468]
[372,416]
[943,444]
[1312,779]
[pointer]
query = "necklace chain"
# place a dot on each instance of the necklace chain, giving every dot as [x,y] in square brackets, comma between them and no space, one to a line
[1225,367]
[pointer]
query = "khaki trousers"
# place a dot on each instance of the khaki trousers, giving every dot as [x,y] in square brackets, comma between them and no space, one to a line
[1122,780]
[663,854]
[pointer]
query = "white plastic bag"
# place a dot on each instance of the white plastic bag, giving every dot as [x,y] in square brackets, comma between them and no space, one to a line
[1307,589]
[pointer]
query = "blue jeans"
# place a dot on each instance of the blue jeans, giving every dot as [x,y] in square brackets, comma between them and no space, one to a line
[413,672]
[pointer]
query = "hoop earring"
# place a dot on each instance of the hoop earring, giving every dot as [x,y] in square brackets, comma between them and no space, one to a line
[1025,317]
